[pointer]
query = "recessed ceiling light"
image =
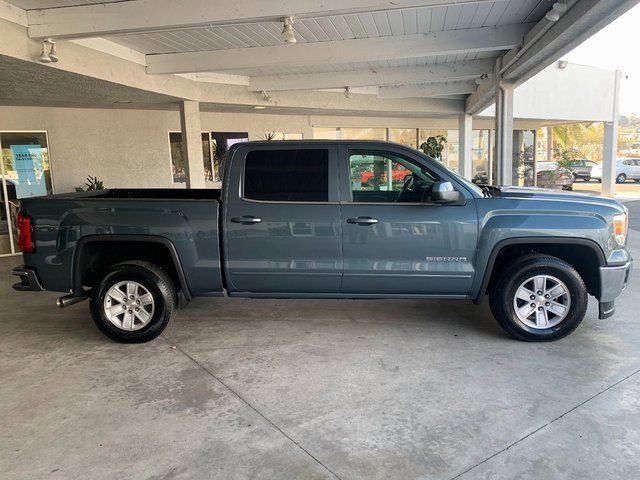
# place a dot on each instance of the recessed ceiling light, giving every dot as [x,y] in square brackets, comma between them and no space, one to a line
[259,107]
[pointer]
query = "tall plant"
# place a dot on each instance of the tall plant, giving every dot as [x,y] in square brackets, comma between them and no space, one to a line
[434,146]
[91,184]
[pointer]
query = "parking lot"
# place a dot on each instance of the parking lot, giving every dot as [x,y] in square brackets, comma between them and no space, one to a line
[628,190]
[299,389]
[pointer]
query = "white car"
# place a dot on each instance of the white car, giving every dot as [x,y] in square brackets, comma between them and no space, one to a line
[626,169]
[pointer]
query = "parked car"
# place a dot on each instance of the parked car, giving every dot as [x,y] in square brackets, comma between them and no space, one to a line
[481,178]
[581,169]
[550,175]
[633,149]
[289,224]
[626,169]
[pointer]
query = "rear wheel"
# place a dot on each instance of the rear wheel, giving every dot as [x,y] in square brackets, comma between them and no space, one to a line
[134,302]
[539,298]
[621,178]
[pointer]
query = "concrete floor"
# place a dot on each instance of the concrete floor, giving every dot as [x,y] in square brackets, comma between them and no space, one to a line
[262,389]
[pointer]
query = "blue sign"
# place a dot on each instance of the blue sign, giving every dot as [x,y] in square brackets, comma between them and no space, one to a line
[28,163]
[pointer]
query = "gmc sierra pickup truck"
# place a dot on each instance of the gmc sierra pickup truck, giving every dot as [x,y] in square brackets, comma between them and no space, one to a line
[327,219]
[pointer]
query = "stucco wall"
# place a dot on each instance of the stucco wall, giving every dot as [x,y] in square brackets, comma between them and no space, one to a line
[574,93]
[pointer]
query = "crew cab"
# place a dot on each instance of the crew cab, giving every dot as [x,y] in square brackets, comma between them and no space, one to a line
[295,219]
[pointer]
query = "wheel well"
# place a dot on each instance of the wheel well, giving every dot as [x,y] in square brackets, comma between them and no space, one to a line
[95,257]
[581,257]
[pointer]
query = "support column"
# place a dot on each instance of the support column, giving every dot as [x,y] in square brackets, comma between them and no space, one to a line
[504,133]
[192,143]
[465,145]
[610,144]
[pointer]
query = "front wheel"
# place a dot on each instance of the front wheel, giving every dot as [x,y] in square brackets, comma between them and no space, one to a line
[134,302]
[539,298]
[621,178]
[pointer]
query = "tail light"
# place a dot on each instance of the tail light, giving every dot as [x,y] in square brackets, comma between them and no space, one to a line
[25,234]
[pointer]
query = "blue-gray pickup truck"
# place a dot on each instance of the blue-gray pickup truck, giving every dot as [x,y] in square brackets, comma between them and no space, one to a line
[327,219]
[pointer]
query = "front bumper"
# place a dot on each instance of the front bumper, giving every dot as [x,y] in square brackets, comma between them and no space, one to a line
[28,279]
[613,280]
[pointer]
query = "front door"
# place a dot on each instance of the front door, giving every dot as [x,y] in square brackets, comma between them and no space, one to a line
[283,232]
[395,240]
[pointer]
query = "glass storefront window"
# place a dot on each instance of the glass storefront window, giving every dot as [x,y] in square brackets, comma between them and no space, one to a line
[293,136]
[480,156]
[324,133]
[179,174]
[352,133]
[404,136]
[523,157]
[214,148]
[282,136]
[25,171]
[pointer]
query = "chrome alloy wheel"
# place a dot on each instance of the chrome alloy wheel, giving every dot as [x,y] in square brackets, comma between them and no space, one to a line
[542,302]
[128,305]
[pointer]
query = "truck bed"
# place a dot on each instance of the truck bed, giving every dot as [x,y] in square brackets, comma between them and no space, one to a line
[185,221]
[150,193]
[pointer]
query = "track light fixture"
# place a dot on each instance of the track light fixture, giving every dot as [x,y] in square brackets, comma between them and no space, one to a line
[484,78]
[52,54]
[288,35]
[44,55]
[556,12]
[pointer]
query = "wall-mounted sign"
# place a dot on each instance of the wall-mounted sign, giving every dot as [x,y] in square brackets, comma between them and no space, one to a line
[28,163]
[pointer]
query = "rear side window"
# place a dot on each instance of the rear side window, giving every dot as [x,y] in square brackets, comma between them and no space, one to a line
[287,175]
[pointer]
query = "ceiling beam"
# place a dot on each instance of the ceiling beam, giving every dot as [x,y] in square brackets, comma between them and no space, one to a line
[580,22]
[373,77]
[545,44]
[354,50]
[428,90]
[112,18]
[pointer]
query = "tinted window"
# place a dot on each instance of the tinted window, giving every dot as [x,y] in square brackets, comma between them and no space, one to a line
[287,175]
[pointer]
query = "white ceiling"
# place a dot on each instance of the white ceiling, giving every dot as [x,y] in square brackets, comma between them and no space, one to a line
[246,27]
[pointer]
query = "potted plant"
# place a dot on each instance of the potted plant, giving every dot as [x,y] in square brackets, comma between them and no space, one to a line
[91,184]
[434,147]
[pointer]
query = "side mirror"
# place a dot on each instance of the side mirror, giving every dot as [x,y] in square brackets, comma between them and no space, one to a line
[443,192]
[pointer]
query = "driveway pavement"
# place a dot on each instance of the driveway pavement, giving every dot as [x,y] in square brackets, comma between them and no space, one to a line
[301,389]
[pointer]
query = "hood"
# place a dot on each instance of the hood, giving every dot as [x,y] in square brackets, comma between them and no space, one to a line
[553,195]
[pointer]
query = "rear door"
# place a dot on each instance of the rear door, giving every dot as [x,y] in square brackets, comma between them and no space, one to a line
[282,219]
[395,241]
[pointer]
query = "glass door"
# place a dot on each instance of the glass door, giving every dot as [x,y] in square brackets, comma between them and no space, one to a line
[25,172]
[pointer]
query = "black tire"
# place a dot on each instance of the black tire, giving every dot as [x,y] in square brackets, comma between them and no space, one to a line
[152,278]
[586,179]
[621,178]
[502,297]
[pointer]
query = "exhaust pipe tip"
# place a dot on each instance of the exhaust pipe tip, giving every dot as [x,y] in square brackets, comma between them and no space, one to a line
[68,300]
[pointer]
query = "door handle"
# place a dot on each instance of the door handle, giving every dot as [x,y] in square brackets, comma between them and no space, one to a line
[363,220]
[246,220]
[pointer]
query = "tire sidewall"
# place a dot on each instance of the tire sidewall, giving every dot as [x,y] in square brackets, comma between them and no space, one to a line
[577,308]
[152,282]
